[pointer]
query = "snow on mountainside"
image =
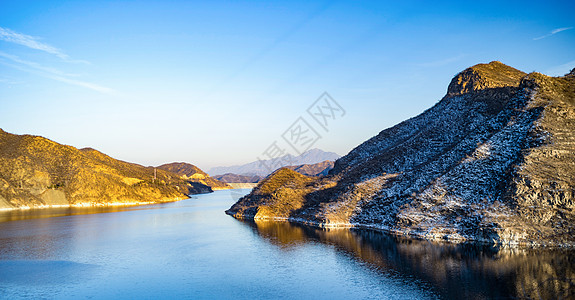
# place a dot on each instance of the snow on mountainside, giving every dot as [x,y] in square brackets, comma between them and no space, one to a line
[493,161]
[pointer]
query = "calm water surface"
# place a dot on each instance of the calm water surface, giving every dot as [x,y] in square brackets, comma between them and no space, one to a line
[191,249]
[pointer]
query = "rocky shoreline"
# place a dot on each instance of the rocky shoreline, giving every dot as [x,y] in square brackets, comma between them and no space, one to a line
[492,162]
[404,234]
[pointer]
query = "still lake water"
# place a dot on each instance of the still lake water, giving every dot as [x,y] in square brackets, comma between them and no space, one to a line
[191,249]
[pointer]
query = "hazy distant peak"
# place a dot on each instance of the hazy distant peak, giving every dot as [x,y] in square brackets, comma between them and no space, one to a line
[311,156]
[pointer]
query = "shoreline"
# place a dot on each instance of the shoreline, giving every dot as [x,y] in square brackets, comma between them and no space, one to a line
[403,234]
[91,205]
[95,204]
[111,204]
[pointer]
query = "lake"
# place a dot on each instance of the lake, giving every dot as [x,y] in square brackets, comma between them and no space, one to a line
[191,249]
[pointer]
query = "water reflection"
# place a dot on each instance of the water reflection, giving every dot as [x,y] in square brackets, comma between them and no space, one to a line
[461,271]
[26,214]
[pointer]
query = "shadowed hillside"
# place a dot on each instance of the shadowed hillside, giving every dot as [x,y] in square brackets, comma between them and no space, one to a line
[493,161]
[318,169]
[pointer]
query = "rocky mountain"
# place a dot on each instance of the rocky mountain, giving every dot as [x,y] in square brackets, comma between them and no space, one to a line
[235,178]
[318,169]
[493,161]
[192,173]
[37,172]
[311,156]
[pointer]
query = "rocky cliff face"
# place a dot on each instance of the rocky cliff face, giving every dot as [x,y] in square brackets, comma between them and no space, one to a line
[493,161]
[37,172]
[194,174]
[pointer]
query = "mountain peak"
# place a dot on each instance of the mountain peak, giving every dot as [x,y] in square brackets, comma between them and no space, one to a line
[483,76]
[494,166]
[261,168]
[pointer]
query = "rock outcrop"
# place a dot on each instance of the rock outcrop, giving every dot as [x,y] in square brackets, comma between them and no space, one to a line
[37,172]
[194,174]
[493,161]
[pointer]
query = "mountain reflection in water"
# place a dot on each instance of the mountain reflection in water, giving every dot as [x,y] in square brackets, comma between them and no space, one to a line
[455,271]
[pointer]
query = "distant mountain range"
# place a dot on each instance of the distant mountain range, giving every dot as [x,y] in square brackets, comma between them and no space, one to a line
[493,161]
[37,172]
[258,168]
[318,169]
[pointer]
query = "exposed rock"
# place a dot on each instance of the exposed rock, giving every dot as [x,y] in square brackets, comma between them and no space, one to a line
[493,161]
[484,76]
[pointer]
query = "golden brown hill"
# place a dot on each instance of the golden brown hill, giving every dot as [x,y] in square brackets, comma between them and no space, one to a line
[484,76]
[282,192]
[194,174]
[37,172]
[493,161]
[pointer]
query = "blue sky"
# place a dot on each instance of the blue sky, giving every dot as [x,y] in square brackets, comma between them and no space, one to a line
[217,82]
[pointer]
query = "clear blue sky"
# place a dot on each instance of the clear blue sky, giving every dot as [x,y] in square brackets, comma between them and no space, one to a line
[216,82]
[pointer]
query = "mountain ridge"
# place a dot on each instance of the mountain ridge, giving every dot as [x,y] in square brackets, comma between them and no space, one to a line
[318,169]
[311,156]
[491,162]
[194,174]
[36,172]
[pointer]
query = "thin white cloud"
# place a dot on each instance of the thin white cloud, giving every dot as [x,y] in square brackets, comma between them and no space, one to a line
[552,32]
[51,73]
[32,42]
[92,86]
[34,65]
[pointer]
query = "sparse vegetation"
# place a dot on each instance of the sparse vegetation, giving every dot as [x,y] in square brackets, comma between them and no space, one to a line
[493,161]
[30,165]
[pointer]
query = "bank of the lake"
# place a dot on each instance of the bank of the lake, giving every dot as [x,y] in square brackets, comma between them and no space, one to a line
[191,249]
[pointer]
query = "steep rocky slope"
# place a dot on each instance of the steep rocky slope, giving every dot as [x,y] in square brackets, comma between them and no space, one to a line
[318,169]
[37,172]
[493,161]
[194,174]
